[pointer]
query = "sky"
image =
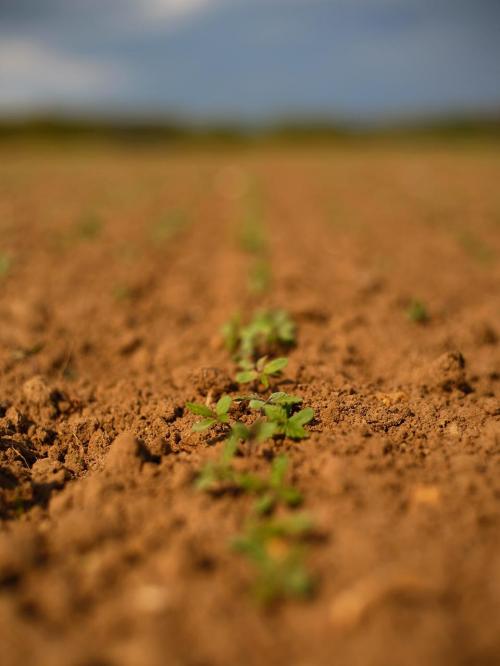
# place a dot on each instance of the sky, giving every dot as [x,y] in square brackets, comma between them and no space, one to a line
[251,60]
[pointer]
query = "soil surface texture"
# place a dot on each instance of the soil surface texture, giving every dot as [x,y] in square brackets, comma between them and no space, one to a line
[118,268]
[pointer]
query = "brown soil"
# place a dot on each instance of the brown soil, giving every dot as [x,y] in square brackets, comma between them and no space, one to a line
[108,555]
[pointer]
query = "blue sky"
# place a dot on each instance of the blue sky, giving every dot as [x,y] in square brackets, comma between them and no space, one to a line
[251,59]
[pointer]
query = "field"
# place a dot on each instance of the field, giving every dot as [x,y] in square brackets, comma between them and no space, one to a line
[379,544]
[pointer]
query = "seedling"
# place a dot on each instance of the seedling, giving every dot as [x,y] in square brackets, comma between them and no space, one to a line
[5,264]
[261,371]
[417,312]
[272,547]
[289,425]
[222,472]
[268,329]
[259,432]
[252,236]
[213,474]
[259,277]
[277,490]
[280,398]
[211,417]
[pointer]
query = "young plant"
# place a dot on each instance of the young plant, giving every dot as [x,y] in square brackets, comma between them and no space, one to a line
[279,398]
[4,264]
[252,237]
[259,276]
[213,474]
[417,312]
[211,417]
[260,371]
[259,432]
[267,330]
[276,490]
[273,546]
[287,424]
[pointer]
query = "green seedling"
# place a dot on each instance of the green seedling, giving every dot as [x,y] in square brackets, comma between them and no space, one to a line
[5,264]
[279,398]
[259,277]
[169,226]
[417,312]
[258,432]
[272,547]
[268,329]
[211,417]
[260,371]
[276,490]
[221,471]
[291,426]
[252,236]
[270,491]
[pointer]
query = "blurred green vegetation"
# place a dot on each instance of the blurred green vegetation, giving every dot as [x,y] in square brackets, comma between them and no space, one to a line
[68,130]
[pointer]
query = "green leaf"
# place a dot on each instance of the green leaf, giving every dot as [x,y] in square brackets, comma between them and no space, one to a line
[303,417]
[246,376]
[265,431]
[275,366]
[240,431]
[284,399]
[295,431]
[256,404]
[278,471]
[250,482]
[204,424]
[229,449]
[223,405]
[275,413]
[291,496]
[265,504]
[200,410]
[206,477]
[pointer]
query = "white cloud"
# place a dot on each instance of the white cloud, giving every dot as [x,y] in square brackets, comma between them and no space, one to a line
[32,73]
[174,9]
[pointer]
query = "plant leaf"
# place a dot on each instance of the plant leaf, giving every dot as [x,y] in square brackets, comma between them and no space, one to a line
[275,413]
[265,504]
[303,417]
[278,471]
[246,376]
[275,365]
[240,431]
[200,410]
[264,430]
[285,400]
[291,496]
[223,405]
[295,431]
[256,404]
[229,450]
[204,424]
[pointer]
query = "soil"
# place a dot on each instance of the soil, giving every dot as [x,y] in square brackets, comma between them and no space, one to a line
[109,323]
